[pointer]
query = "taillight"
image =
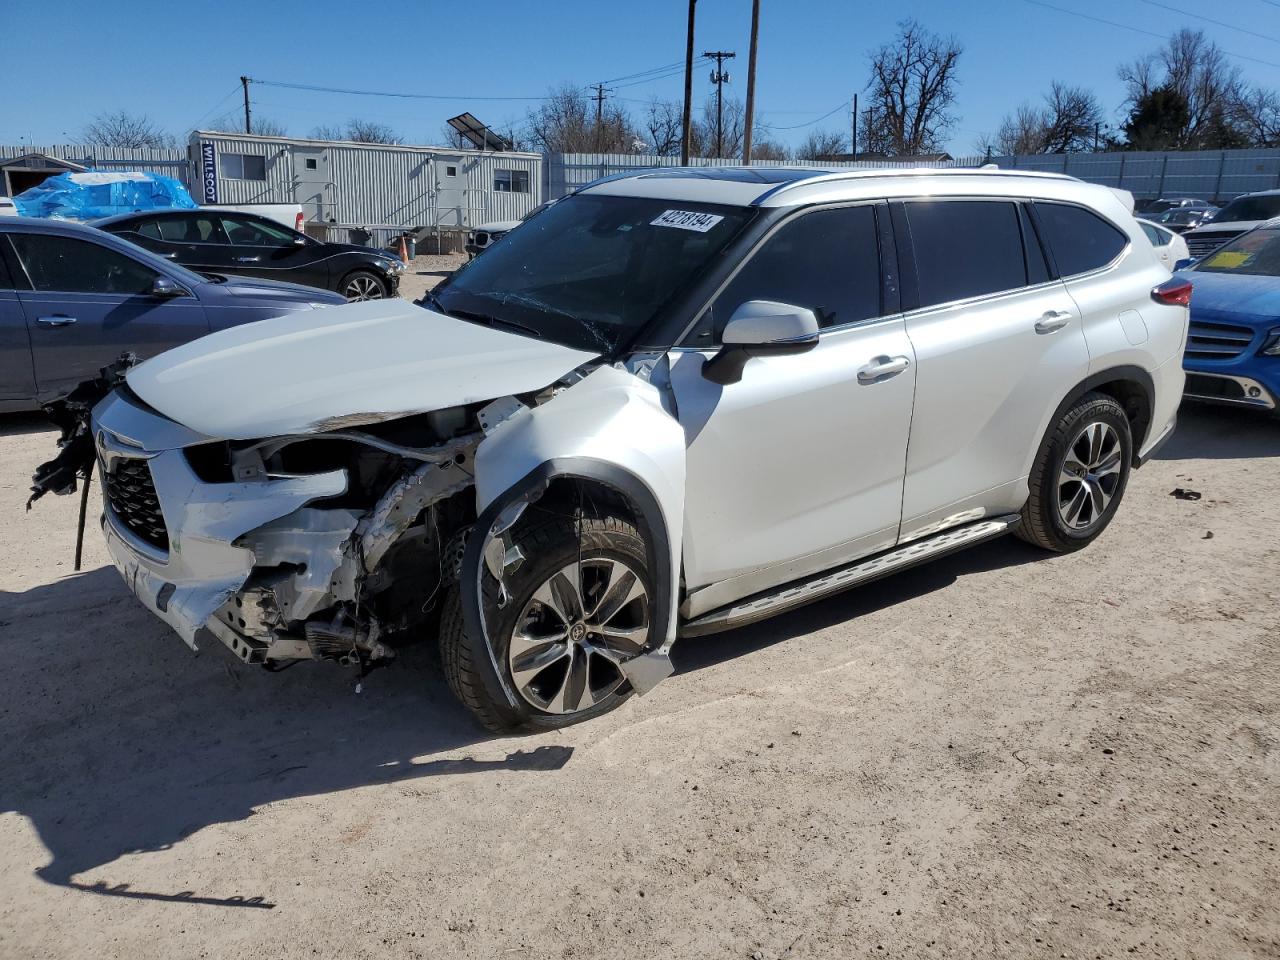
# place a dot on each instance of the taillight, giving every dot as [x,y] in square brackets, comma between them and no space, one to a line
[1173,292]
[297,222]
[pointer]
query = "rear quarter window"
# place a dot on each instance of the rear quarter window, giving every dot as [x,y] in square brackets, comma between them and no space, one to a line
[1079,239]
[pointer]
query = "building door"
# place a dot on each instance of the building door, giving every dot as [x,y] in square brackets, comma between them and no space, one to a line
[313,183]
[450,192]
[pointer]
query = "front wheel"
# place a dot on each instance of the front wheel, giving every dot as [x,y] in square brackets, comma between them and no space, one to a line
[579,605]
[362,285]
[1079,475]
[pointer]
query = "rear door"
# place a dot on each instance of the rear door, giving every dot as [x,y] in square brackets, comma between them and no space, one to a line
[86,303]
[17,376]
[998,344]
[195,240]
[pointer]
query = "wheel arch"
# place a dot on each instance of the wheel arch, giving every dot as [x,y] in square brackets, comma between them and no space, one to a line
[1130,386]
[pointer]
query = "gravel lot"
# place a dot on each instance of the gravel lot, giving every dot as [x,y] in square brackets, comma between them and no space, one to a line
[1002,754]
[423,273]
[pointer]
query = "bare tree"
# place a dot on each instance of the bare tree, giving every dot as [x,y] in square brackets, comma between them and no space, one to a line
[124,129]
[566,123]
[662,127]
[1197,70]
[766,148]
[1067,123]
[820,144]
[234,123]
[1258,115]
[911,92]
[359,131]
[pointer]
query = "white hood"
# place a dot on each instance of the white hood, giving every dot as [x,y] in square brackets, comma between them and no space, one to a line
[317,369]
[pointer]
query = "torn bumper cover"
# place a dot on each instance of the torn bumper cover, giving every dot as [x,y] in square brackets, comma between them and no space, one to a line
[195,561]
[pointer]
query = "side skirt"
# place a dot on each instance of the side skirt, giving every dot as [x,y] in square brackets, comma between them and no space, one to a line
[797,594]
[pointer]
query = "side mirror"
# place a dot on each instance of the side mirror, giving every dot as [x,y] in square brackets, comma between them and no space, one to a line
[761,328]
[299,241]
[166,288]
[1183,263]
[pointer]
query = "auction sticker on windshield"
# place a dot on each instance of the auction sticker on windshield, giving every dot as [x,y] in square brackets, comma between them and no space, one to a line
[686,220]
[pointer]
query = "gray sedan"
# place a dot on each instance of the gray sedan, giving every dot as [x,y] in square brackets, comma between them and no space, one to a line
[73,298]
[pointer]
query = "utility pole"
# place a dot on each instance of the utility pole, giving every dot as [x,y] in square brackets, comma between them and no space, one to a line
[244,82]
[688,89]
[599,99]
[719,78]
[751,84]
[853,144]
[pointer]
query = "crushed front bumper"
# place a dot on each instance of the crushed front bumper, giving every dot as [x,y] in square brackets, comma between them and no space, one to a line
[207,559]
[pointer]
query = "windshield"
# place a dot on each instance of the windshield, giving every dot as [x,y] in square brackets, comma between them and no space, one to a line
[590,271]
[1255,254]
[1250,208]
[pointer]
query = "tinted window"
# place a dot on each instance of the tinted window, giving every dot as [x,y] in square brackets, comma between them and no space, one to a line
[1256,254]
[65,265]
[257,233]
[243,166]
[1262,207]
[828,261]
[1155,236]
[966,248]
[149,229]
[1080,240]
[1037,266]
[192,229]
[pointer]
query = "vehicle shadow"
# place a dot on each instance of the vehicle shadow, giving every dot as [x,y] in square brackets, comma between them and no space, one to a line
[16,424]
[118,741]
[698,653]
[1207,432]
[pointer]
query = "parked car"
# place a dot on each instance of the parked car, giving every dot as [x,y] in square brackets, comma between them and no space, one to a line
[73,298]
[1182,219]
[1233,350]
[676,402]
[245,244]
[1241,214]
[8,208]
[1169,246]
[288,215]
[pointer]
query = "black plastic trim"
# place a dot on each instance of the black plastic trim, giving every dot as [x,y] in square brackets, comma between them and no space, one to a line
[1111,374]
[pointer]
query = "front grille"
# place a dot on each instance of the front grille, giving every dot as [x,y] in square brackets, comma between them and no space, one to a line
[1209,242]
[132,498]
[1216,388]
[482,239]
[1217,341]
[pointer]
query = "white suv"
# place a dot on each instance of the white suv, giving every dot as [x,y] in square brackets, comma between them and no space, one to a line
[676,402]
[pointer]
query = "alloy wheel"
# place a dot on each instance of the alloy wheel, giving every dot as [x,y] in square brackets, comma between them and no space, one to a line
[1089,476]
[576,629]
[362,288]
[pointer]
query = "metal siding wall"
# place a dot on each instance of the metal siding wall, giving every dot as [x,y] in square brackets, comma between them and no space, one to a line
[172,162]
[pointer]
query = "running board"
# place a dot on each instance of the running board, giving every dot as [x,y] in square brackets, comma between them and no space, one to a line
[797,594]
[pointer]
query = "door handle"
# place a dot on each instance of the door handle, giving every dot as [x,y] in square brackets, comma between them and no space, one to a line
[169,256]
[247,259]
[57,320]
[1052,320]
[882,368]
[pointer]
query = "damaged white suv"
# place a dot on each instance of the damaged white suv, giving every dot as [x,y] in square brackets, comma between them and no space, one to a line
[676,402]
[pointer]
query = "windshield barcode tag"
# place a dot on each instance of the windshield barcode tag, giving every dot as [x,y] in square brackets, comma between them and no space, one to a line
[686,220]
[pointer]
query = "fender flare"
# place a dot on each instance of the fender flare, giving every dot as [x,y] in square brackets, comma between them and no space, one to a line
[1123,372]
[649,517]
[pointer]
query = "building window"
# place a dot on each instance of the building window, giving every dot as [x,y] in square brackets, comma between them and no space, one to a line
[311,163]
[243,166]
[451,171]
[511,181]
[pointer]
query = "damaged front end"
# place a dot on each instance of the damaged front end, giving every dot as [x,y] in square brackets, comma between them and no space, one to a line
[327,545]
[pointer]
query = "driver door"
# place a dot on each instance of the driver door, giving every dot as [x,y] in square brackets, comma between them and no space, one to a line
[799,466]
[260,248]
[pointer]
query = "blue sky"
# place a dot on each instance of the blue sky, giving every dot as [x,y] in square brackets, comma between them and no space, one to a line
[179,63]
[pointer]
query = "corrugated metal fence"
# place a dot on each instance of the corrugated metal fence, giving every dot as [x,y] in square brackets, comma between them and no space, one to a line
[1207,174]
[172,162]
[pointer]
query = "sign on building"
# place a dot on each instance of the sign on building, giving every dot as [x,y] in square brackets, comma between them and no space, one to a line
[208,173]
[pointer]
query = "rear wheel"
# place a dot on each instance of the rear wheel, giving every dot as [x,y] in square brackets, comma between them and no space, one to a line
[362,285]
[1079,475]
[579,606]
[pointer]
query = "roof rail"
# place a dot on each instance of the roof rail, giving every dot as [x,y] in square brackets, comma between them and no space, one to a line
[857,174]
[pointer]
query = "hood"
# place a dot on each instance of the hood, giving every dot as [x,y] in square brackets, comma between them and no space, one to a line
[272,291]
[498,226]
[1223,226]
[361,362]
[1233,298]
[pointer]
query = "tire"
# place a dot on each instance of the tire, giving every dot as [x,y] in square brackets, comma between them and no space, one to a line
[362,285]
[1079,476]
[562,682]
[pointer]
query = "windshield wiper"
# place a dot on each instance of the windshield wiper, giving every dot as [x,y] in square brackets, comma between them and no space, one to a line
[430,299]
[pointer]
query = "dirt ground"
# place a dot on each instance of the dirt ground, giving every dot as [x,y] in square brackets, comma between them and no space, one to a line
[1002,754]
[423,273]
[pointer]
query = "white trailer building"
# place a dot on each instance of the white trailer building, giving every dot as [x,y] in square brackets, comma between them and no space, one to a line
[379,187]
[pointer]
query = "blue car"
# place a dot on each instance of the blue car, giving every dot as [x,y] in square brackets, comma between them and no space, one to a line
[1233,349]
[73,298]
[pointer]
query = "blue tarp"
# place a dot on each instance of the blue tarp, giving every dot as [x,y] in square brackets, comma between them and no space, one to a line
[87,196]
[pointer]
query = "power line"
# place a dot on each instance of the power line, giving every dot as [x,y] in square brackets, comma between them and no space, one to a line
[204,116]
[844,105]
[383,93]
[1149,33]
[1218,23]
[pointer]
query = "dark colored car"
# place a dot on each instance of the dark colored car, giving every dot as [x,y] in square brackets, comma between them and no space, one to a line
[73,298]
[1182,219]
[245,244]
[1233,347]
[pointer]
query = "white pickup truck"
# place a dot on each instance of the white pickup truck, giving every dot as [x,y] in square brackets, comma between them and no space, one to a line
[289,214]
